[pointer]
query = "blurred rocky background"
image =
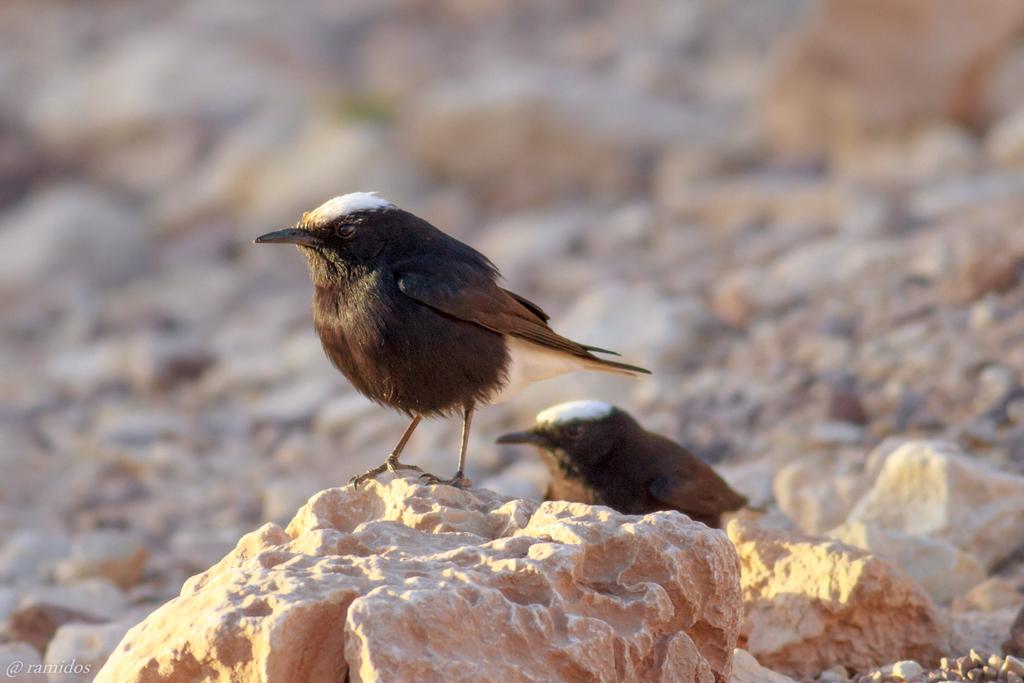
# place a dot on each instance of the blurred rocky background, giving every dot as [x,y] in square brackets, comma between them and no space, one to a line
[806,217]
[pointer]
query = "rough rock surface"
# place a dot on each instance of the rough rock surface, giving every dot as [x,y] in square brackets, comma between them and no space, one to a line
[940,568]
[399,581]
[812,603]
[932,488]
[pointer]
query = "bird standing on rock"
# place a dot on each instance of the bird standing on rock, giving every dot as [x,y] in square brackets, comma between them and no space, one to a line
[598,454]
[416,321]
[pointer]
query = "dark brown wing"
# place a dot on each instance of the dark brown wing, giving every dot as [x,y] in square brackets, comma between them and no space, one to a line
[464,292]
[529,305]
[702,495]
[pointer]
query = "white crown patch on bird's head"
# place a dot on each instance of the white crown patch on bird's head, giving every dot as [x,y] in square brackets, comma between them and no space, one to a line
[352,202]
[574,410]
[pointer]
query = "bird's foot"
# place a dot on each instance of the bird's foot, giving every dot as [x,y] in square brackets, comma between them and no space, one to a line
[459,481]
[389,465]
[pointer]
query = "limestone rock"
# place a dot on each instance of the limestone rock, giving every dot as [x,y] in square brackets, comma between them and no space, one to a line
[939,567]
[745,669]
[932,488]
[404,582]
[813,603]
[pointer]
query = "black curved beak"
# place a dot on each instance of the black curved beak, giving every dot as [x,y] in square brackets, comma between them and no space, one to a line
[290,236]
[530,437]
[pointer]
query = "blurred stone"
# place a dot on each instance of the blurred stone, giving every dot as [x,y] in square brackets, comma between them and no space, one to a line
[1005,140]
[157,361]
[641,323]
[85,647]
[817,493]
[17,658]
[981,631]
[731,204]
[900,160]
[562,134]
[8,602]
[731,303]
[799,274]
[115,555]
[518,239]
[111,104]
[276,166]
[89,367]
[835,433]
[988,268]
[333,577]
[98,598]
[1014,645]
[745,669]
[855,68]
[523,479]
[21,162]
[845,404]
[37,623]
[932,488]
[282,497]
[339,413]
[937,566]
[32,555]
[198,548]
[993,594]
[812,603]
[295,402]
[70,233]
[120,428]
[753,479]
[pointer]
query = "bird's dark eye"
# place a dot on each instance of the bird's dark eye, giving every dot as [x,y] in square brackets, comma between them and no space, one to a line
[574,431]
[345,232]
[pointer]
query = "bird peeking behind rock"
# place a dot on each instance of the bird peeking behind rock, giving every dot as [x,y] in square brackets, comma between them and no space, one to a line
[416,320]
[598,454]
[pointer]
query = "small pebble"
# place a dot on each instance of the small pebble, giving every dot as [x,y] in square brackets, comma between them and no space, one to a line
[908,670]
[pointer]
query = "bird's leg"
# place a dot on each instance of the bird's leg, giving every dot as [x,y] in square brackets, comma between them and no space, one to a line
[392,464]
[459,480]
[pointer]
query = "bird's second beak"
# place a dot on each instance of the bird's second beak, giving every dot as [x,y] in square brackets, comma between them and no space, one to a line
[290,236]
[524,437]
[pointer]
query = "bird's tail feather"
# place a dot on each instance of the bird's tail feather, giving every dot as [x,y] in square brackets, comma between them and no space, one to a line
[602,365]
[598,349]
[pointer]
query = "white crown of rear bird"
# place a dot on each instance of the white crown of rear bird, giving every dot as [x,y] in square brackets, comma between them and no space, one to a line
[575,410]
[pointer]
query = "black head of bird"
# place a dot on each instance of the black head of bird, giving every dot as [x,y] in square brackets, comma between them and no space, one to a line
[416,320]
[599,454]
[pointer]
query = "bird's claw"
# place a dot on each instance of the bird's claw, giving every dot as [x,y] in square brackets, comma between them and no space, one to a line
[387,466]
[459,481]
